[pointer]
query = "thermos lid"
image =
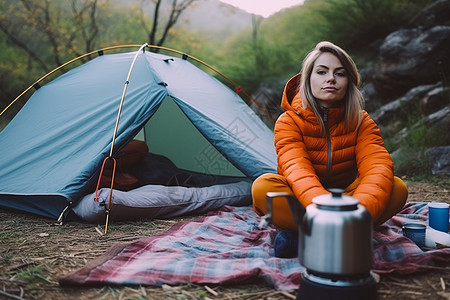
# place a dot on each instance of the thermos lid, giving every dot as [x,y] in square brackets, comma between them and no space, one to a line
[336,200]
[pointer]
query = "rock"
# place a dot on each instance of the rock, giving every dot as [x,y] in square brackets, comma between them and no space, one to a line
[438,120]
[435,100]
[439,159]
[411,57]
[268,100]
[436,13]
[435,127]
[398,111]
[373,98]
[407,92]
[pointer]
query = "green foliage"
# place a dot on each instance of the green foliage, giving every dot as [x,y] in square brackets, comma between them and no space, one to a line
[284,39]
[126,28]
[278,48]
[272,50]
[411,162]
[240,64]
[354,24]
[60,31]
[440,180]
[33,274]
[296,31]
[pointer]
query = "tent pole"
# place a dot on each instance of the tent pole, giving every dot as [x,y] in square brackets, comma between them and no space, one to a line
[238,89]
[115,131]
[108,209]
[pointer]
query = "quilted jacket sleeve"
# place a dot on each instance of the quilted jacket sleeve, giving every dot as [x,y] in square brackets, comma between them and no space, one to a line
[294,162]
[375,167]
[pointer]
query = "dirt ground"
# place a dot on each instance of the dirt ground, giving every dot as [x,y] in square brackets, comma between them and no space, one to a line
[35,252]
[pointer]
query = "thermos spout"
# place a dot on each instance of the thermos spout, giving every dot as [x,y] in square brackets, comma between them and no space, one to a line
[297,209]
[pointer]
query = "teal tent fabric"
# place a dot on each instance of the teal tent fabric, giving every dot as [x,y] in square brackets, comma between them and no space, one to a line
[53,149]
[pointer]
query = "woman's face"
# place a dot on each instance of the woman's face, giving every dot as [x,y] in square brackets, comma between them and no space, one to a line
[329,80]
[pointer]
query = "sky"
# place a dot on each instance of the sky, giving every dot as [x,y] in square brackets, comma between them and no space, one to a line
[264,8]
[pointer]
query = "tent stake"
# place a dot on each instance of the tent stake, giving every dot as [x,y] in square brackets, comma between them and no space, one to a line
[108,209]
[107,220]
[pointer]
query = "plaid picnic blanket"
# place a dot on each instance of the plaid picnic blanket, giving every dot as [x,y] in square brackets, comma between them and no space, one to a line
[395,253]
[227,247]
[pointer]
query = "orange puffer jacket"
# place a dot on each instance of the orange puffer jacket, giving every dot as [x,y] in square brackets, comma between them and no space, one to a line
[311,162]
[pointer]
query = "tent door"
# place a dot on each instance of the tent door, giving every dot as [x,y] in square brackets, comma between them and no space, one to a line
[170,133]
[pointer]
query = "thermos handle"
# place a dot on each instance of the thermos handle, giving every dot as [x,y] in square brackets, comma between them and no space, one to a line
[297,210]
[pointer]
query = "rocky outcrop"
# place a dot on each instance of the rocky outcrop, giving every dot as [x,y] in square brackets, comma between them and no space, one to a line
[439,159]
[412,57]
[418,103]
[436,13]
[268,98]
[407,91]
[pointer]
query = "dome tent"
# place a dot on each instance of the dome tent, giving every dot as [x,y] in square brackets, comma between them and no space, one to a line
[54,147]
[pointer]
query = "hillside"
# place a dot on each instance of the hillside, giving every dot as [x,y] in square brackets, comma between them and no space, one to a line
[210,17]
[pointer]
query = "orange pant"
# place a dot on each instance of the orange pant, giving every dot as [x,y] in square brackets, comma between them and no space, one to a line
[281,213]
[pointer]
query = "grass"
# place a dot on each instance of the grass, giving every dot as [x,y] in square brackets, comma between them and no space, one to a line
[33,274]
[126,226]
[7,235]
[411,159]
[6,258]
[31,263]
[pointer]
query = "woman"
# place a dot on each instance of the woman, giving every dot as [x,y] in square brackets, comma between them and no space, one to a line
[325,139]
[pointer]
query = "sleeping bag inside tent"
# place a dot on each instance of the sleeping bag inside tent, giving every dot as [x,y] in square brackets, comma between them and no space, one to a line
[200,135]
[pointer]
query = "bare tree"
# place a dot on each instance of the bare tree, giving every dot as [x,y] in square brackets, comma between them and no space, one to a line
[155,35]
[85,16]
[260,59]
[42,34]
[22,45]
[29,23]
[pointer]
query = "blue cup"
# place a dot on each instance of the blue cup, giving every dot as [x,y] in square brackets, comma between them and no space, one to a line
[415,232]
[438,216]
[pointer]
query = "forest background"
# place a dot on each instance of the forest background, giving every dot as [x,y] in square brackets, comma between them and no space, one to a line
[37,36]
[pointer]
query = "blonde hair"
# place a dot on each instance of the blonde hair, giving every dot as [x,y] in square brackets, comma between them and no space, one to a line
[353,99]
